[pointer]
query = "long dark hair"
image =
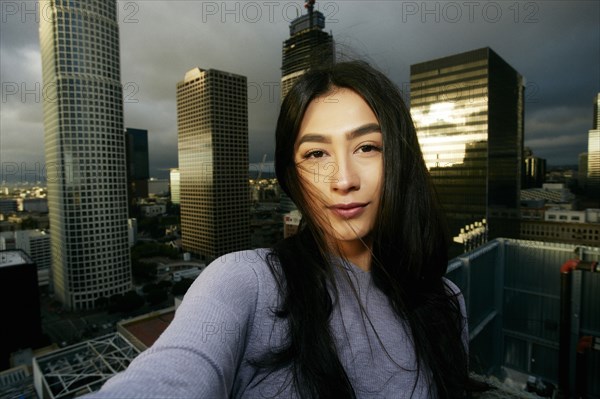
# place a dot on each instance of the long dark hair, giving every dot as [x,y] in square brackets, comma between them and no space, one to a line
[409,248]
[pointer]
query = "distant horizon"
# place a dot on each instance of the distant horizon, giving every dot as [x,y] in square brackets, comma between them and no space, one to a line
[268,171]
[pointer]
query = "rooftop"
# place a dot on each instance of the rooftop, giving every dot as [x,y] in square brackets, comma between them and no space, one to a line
[512,291]
[82,368]
[142,331]
[13,258]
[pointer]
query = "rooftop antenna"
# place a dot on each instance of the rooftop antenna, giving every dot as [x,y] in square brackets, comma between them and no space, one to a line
[309,5]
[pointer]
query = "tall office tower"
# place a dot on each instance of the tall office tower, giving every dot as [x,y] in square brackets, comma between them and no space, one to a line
[138,168]
[468,111]
[535,170]
[175,186]
[212,124]
[308,46]
[593,171]
[85,150]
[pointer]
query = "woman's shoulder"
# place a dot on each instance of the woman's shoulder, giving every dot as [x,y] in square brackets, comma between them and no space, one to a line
[455,291]
[243,264]
[239,275]
[451,286]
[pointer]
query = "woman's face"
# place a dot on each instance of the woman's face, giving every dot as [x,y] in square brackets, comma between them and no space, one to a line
[338,153]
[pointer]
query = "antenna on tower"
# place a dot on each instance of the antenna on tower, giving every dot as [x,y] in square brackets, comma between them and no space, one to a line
[309,5]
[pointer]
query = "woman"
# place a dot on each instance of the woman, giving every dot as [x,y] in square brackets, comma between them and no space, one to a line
[354,305]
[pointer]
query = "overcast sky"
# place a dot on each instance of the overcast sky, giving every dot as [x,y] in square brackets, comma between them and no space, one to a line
[555,45]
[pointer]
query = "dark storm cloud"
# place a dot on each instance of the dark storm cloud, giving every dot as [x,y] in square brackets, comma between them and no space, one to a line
[553,44]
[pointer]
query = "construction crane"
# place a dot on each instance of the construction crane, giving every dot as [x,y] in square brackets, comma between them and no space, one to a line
[260,167]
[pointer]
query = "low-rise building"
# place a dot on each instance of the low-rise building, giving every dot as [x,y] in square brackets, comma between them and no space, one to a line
[291,223]
[19,295]
[151,210]
[561,232]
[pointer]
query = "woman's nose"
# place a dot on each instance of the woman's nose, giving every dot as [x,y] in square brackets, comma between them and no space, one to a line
[346,176]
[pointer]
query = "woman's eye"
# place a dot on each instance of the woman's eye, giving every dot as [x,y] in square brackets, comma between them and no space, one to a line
[369,148]
[314,154]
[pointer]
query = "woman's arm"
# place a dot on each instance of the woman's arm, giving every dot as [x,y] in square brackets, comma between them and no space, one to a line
[199,353]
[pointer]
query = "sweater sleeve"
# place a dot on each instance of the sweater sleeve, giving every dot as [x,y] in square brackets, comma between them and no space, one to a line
[198,354]
[463,311]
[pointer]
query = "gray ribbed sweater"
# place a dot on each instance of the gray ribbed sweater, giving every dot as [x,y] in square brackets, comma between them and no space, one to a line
[226,319]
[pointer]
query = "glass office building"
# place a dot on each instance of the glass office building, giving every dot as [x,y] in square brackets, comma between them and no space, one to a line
[212,124]
[138,164]
[85,150]
[468,111]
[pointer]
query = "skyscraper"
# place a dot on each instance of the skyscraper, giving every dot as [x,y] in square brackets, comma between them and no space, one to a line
[307,46]
[138,165]
[535,170]
[593,169]
[174,186]
[85,150]
[468,111]
[212,124]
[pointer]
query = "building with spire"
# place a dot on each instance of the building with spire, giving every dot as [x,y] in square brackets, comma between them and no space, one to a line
[85,150]
[212,126]
[308,46]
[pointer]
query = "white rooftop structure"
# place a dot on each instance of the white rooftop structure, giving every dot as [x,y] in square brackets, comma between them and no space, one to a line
[81,368]
[13,258]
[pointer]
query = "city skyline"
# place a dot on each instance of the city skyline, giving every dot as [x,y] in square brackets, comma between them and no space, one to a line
[558,59]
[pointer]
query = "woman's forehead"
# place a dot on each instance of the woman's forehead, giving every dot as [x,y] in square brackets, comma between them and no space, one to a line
[337,112]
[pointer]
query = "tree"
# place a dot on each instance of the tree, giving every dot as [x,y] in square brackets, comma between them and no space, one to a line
[131,301]
[29,224]
[143,271]
[101,302]
[156,296]
[125,303]
[114,303]
[149,250]
[181,287]
[165,284]
[146,289]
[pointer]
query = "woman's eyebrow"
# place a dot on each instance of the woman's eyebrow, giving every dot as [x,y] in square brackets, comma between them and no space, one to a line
[362,130]
[351,135]
[314,138]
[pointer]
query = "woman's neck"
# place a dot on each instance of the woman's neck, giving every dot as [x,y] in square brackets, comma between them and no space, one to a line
[357,252]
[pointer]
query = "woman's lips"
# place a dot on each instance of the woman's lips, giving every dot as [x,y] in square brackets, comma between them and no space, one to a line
[348,211]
